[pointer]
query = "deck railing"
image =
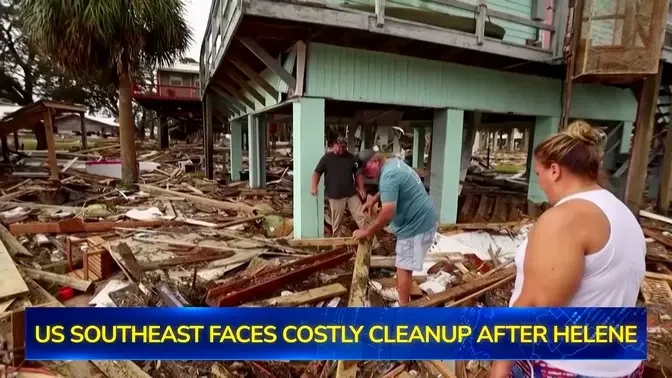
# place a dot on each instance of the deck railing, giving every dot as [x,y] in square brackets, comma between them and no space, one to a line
[169,91]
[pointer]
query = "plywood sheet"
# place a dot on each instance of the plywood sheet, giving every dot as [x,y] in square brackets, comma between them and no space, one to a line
[11,283]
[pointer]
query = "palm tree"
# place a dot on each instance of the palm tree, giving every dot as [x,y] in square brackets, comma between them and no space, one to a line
[112,38]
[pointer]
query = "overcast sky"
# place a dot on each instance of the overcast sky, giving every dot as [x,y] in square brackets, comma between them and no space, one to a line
[197,15]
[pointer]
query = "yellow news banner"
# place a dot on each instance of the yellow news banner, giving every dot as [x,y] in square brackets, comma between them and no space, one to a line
[379,334]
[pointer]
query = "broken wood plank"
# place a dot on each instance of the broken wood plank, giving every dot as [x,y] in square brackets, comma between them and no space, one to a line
[185,260]
[659,276]
[392,282]
[78,225]
[654,216]
[241,290]
[12,284]
[394,372]
[121,369]
[129,261]
[657,293]
[4,305]
[303,297]
[204,200]
[482,291]
[659,237]
[14,247]
[464,289]
[322,242]
[358,298]
[59,279]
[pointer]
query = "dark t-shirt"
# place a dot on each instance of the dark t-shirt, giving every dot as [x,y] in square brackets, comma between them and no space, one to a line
[339,172]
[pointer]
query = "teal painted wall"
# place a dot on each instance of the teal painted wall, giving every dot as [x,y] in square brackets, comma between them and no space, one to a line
[515,33]
[368,76]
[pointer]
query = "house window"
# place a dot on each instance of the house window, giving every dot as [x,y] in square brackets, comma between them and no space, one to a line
[175,80]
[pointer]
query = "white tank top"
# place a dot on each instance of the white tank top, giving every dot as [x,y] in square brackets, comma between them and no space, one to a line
[611,277]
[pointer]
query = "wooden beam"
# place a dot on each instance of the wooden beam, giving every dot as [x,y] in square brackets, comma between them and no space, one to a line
[665,188]
[322,242]
[641,146]
[14,247]
[260,81]
[230,206]
[208,141]
[268,60]
[300,67]
[51,144]
[243,83]
[59,279]
[228,98]
[303,297]
[78,225]
[238,95]
[360,282]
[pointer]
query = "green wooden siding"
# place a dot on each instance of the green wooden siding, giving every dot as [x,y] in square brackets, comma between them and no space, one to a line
[367,76]
[515,33]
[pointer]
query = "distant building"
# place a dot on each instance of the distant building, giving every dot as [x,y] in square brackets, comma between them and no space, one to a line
[71,124]
[175,98]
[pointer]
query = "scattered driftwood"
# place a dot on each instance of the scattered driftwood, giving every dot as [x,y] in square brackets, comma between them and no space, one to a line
[322,242]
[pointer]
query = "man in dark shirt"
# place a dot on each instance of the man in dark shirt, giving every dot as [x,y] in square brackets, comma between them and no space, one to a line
[340,171]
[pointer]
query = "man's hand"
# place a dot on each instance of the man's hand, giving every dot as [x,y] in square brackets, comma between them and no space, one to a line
[368,205]
[360,234]
[362,194]
[313,191]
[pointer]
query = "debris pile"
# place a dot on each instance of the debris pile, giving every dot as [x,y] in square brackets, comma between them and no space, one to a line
[180,240]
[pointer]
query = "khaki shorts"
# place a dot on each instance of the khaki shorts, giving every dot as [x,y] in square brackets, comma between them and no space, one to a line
[411,251]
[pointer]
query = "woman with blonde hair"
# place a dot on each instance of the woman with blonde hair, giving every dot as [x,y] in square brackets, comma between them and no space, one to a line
[586,251]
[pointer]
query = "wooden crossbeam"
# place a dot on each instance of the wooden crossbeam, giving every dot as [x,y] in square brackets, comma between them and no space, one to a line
[260,81]
[243,83]
[268,60]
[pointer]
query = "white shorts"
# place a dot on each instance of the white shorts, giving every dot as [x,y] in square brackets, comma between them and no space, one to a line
[411,251]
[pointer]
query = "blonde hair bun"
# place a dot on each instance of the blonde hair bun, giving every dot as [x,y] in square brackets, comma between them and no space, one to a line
[582,131]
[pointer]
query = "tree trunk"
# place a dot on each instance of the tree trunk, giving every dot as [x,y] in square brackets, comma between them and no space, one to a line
[129,165]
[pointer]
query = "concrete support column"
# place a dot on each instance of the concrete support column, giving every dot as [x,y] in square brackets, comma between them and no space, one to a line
[236,149]
[543,128]
[419,147]
[307,142]
[208,141]
[368,136]
[446,158]
[509,139]
[257,153]
[383,138]
[526,140]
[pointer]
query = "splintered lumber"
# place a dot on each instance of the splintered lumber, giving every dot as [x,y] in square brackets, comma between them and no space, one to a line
[464,289]
[360,282]
[322,242]
[11,283]
[482,291]
[241,290]
[185,260]
[78,225]
[58,279]
[303,297]
[129,261]
[13,245]
[657,293]
[395,371]
[659,237]
[654,216]
[241,207]
[124,369]
[659,276]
